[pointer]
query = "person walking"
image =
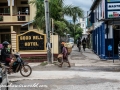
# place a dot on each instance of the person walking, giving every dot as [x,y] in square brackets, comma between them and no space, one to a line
[79,44]
[65,55]
[84,44]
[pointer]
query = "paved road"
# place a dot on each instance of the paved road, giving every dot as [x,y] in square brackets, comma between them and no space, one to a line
[89,73]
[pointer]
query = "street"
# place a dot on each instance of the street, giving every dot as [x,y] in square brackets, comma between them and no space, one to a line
[88,72]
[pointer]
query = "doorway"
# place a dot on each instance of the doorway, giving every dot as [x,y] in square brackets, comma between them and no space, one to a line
[116,31]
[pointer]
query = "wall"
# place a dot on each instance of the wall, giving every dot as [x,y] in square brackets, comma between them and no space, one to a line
[32,11]
[55,44]
[83,25]
[13,40]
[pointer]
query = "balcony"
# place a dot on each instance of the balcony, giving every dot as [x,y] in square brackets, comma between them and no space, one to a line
[15,18]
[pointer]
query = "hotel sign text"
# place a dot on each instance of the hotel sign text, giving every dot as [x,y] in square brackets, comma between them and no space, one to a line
[31,41]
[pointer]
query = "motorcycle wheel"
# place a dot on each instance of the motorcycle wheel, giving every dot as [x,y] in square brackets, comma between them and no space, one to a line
[25,70]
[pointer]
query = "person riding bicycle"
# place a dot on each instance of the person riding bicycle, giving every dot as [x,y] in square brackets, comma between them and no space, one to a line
[5,53]
[78,43]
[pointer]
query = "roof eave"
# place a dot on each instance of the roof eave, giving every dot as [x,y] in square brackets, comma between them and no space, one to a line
[94,4]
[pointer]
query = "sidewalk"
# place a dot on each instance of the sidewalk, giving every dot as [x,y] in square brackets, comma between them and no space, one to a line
[89,58]
[85,58]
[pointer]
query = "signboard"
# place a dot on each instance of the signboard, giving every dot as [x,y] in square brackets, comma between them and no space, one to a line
[109,48]
[113,6]
[113,0]
[31,40]
[113,14]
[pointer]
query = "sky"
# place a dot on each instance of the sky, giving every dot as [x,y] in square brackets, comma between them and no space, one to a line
[84,4]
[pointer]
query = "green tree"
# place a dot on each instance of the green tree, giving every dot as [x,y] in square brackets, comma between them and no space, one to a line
[57,12]
[61,27]
[75,13]
[78,32]
[55,8]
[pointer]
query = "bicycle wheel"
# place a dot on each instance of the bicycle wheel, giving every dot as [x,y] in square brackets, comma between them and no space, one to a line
[26,71]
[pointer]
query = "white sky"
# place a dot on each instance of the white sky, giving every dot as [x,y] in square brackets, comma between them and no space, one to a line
[84,4]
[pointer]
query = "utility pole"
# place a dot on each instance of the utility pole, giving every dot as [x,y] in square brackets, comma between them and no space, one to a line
[52,40]
[47,22]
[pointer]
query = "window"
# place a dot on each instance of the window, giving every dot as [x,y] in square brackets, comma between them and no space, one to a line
[21,18]
[3,4]
[83,25]
[5,11]
[83,19]
[24,2]
[6,37]
[24,28]
[22,10]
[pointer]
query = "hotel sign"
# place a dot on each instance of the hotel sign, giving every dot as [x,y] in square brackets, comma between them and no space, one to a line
[113,14]
[31,40]
[113,6]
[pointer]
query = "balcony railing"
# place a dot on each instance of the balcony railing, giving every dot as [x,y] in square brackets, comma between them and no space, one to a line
[4,13]
[17,18]
[14,13]
[21,18]
[22,13]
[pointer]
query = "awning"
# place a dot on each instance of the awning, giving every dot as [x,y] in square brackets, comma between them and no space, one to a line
[27,23]
[110,19]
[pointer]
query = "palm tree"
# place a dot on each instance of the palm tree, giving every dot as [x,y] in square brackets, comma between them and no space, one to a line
[57,12]
[74,12]
[55,7]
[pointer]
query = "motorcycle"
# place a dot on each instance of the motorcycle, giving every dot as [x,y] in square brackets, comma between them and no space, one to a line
[22,66]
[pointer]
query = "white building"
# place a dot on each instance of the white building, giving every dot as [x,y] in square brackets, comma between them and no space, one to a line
[83,26]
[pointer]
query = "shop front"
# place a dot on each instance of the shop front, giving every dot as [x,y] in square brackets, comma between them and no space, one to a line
[105,16]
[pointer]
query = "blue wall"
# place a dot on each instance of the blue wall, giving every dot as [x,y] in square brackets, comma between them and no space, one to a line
[99,41]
